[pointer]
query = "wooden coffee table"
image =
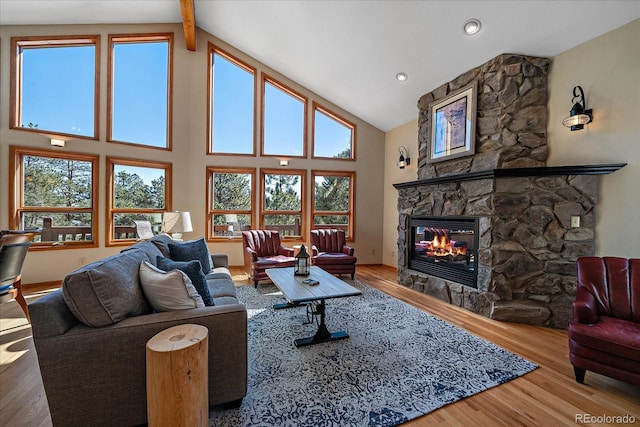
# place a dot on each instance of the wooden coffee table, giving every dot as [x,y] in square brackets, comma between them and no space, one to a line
[297,293]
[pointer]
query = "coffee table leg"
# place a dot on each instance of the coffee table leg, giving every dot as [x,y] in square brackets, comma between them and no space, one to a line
[322,334]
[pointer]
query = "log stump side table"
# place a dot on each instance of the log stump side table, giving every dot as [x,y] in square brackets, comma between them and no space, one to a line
[177,377]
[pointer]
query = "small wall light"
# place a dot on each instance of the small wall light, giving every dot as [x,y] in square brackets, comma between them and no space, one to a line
[404,159]
[284,162]
[579,115]
[57,142]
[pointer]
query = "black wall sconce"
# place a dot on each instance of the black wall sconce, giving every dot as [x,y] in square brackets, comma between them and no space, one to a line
[404,159]
[579,115]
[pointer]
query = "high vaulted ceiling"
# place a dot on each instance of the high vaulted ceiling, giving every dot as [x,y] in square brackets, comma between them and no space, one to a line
[350,51]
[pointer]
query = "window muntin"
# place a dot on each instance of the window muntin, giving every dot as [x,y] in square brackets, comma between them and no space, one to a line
[283,196]
[333,201]
[56,85]
[232,104]
[56,192]
[231,202]
[283,120]
[333,136]
[139,95]
[138,191]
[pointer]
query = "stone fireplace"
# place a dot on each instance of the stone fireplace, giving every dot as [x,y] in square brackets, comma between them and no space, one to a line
[522,248]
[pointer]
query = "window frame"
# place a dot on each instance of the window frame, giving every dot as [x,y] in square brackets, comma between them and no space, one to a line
[265,78]
[16,195]
[352,202]
[210,211]
[140,38]
[303,201]
[18,44]
[341,120]
[212,50]
[111,210]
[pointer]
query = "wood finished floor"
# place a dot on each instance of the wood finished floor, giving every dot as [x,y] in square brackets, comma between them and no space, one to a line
[548,396]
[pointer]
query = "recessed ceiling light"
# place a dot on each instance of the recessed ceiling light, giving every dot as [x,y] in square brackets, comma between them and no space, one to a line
[401,77]
[472,26]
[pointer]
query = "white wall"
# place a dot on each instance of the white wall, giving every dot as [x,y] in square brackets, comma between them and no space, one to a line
[188,156]
[407,136]
[608,69]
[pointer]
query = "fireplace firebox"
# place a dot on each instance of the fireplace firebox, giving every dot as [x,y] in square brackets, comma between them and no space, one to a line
[445,247]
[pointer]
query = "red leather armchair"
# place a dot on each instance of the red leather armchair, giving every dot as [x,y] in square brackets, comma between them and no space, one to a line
[330,252]
[604,336]
[263,249]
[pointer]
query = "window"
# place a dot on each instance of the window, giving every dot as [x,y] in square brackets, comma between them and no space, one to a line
[55,85]
[139,94]
[333,136]
[230,197]
[333,200]
[55,191]
[138,191]
[232,104]
[283,195]
[284,115]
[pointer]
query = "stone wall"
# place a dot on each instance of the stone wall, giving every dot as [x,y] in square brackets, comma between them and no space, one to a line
[527,248]
[511,117]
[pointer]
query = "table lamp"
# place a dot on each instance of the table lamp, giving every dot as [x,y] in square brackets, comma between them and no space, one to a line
[176,223]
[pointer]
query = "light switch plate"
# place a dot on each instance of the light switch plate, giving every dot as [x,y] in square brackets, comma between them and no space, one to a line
[575,221]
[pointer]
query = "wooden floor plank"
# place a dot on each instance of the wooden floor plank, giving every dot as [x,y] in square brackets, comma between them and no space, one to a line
[548,396]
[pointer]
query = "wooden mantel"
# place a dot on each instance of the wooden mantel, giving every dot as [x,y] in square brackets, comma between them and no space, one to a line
[518,173]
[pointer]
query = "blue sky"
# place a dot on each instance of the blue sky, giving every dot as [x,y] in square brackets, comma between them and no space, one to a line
[58,95]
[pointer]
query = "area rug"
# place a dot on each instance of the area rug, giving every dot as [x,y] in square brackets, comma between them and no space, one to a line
[398,363]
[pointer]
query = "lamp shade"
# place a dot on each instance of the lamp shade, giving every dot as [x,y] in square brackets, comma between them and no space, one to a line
[176,222]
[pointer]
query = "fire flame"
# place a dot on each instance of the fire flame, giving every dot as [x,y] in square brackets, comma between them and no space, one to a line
[441,246]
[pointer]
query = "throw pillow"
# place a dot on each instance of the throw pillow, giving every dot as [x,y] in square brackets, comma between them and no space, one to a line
[193,269]
[168,291]
[190,250]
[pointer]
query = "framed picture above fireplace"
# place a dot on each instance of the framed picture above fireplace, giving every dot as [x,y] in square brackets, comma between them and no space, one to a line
[453,125]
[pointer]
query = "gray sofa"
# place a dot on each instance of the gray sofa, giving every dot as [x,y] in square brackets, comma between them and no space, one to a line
[97,375]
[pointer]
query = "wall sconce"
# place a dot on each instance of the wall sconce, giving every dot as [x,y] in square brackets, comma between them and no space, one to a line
[404,159]
[579,115]
[57,142]
[284,162]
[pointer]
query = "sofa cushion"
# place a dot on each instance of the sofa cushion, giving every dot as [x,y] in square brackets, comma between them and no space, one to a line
[162,243]
[221,287]
[107,291]
[168,290]
[149,249]
[193,270]
[190,250]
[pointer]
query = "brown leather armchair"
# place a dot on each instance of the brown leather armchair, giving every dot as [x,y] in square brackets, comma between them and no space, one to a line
[604,336]
[263,249]
[330,252]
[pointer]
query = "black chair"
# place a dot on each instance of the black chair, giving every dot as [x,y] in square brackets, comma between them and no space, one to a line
[14,245]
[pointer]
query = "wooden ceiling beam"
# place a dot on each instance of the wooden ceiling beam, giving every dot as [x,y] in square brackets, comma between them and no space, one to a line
[189,23]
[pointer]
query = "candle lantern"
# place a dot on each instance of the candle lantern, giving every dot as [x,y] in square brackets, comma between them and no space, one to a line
[302,263]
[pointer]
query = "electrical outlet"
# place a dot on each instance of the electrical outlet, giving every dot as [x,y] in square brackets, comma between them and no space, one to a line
[373,251]
[83,260]
[393,253]
[575,221]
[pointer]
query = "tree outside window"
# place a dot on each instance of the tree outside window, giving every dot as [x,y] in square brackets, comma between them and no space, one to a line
[283,202]
[56,192]
[138,192]
[231,205]
[333,201]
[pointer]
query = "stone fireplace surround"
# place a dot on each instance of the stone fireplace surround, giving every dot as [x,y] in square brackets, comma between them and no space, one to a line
[527,248]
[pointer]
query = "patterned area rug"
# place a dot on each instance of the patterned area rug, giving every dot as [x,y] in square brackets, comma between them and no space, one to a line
[398,363]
